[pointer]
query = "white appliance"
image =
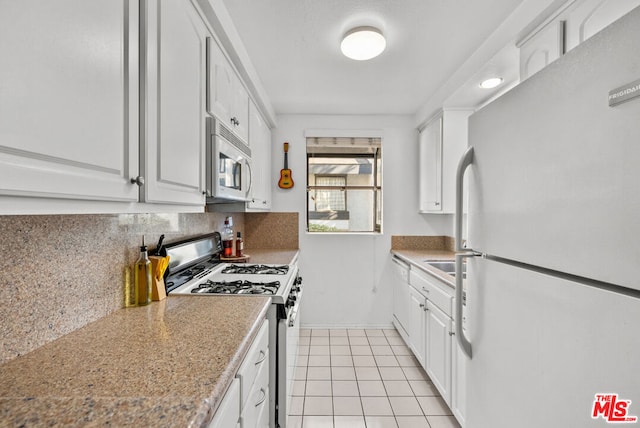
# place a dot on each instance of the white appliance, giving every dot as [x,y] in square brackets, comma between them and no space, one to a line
[195,269]
[553,257]
[228,166]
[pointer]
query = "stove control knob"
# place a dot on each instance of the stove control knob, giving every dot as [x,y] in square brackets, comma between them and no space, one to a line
[292,299]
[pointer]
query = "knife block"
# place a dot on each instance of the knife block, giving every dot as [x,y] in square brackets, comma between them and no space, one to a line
[158,290]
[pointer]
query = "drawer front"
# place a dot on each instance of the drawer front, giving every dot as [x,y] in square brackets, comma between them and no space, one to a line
[263,418]
[429,287]
[258,399]
[257,357]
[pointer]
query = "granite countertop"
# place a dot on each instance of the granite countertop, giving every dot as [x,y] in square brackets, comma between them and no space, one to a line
[167,364]
[417,258]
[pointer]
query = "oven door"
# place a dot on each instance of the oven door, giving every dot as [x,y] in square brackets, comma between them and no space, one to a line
[289,328]
[228,171]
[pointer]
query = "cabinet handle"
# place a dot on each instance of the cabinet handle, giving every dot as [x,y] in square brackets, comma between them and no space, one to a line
[264,355]
[422,305]
[264,397]
[452,333]
[139,180]
[437,204]
[425,309]
[235,121]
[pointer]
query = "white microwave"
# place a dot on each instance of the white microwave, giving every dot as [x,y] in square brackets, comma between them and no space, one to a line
[228,164]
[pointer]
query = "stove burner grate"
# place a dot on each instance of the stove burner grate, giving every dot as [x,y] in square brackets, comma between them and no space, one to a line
[257,269]
[236,287]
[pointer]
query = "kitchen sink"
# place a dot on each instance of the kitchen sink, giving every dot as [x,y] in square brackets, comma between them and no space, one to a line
[447,266]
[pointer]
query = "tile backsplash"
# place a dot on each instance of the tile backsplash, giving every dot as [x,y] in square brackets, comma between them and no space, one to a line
[61,272]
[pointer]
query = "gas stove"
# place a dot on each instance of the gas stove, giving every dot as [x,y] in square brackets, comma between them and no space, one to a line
[195,269]
[276,281]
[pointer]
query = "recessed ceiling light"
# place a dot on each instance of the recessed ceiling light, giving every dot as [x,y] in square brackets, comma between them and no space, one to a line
[363,43]
[491,83]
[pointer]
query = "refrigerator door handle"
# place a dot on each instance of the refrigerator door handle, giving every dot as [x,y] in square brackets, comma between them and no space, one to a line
[465,161]
[462,252]
[462,340]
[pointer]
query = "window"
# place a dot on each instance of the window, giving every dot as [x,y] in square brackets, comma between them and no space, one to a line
[344,185]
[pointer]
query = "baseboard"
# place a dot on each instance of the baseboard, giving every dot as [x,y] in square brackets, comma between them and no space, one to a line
[388,326]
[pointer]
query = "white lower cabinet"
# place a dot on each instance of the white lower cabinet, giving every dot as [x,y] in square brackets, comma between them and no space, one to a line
[438,328]
[246,403]
[430,334]
[458,379]
[228,412]
[417,308]
[254,381]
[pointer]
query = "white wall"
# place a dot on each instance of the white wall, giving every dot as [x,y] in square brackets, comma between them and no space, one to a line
[347,278]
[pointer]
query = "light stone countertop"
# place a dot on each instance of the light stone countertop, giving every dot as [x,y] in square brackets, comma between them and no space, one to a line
[417,258]
[163,365]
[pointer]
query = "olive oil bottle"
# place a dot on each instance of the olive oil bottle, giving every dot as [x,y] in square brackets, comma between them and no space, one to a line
[142,277]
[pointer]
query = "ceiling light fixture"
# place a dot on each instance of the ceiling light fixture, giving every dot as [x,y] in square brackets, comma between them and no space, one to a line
[491,83]
[362,43]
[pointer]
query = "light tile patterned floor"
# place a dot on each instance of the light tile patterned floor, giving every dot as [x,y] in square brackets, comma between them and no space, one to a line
[363,379]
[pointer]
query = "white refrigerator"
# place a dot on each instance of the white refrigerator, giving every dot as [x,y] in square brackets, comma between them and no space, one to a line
[553,250]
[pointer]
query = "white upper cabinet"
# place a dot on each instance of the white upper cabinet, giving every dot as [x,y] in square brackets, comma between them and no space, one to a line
[430,155]
[569,26]
[441,144]
[69,99]
[542,49]
[174,109]
[227,98]
[260,140]
[588,17]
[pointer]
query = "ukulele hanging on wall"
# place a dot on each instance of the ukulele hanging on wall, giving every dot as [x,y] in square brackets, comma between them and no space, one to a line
[285,182]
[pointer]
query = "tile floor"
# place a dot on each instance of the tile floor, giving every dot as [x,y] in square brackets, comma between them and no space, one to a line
[363,379]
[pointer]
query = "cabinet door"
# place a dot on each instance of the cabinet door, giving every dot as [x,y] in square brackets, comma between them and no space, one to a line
[220,83]
[591,16]
[430,158]
[227,98]
[541,49]
[458,379]
[228,412]
[240,112]
[260,141]
[175,94]
[417,324]
[438,350]
[69,99]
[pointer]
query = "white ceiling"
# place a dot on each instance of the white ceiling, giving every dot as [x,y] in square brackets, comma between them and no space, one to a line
[294,46]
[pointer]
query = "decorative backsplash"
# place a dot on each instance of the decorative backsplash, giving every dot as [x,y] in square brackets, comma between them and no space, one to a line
[61,272]
[422,243]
